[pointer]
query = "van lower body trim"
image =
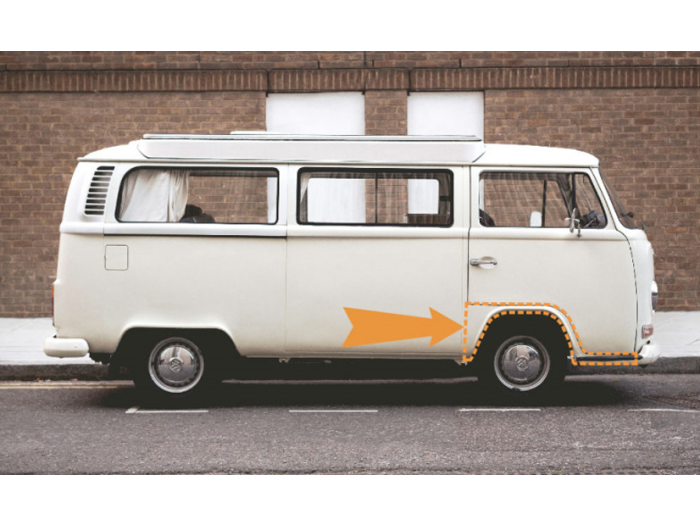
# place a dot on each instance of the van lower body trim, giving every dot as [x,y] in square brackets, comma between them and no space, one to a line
[649,354]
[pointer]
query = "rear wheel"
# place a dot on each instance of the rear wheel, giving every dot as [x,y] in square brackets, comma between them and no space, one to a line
[173,368]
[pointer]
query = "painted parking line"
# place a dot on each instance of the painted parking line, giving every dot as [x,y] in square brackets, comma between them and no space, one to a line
[686,411]
[138,410]
[319,411]
[499,410]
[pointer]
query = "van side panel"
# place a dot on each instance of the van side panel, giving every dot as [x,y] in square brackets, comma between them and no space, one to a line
[400,275]
[231,283]
[592,280]
[80,294]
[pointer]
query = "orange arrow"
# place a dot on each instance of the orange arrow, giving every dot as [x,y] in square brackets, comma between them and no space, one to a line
[370,327]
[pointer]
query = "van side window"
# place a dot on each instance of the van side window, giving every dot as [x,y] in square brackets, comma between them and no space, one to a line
[230,196]
[375,197]
[538,200]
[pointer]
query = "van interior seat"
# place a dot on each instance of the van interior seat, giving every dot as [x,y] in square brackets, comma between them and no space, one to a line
[195,214]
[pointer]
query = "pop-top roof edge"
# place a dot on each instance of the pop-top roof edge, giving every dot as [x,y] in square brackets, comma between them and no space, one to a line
[264,136]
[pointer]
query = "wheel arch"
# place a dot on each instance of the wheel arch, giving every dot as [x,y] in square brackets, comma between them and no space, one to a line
[135,339]
[543,322]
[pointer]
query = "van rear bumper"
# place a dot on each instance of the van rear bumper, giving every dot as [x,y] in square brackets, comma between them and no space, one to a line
[60,347]
[649,354]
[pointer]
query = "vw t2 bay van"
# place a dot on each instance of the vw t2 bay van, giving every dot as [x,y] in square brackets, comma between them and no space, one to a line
[187,257]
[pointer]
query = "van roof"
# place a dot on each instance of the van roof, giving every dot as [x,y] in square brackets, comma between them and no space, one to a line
[402,149]
[516,155]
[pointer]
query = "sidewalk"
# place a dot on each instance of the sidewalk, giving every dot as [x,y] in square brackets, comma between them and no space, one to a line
[22,357]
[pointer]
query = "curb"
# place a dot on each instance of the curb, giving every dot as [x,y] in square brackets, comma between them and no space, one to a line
[664,365]
[677,365]
[98,372]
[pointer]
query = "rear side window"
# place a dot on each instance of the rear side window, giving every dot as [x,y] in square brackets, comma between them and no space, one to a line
[375,197]
[538,200]
[229,196]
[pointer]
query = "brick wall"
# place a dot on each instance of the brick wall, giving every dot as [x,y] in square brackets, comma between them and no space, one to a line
[386,112]
[639,112]
[41,135]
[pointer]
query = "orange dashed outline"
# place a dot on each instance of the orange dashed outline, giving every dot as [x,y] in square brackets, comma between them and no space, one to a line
[479,340]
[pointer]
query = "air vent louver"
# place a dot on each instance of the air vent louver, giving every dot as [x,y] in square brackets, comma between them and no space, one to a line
[97,194]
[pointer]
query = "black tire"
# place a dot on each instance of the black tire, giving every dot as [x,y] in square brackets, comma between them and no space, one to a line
[522,366]
[173,369]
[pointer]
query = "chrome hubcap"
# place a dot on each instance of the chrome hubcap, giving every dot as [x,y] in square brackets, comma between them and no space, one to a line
[521,364]
[176,365]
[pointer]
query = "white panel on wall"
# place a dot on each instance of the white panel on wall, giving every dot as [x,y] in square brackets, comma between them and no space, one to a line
[446,113]
[316,113]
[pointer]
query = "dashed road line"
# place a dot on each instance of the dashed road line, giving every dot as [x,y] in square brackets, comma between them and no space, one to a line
[137,410]
[499,410]
[686,411]
[349,411]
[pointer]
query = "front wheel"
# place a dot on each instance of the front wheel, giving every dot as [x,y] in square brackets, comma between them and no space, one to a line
[522,365]
[173,368]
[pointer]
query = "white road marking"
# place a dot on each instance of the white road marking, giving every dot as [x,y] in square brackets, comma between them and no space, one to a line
[663,410]
[137,410]
[335,411]
[500,410]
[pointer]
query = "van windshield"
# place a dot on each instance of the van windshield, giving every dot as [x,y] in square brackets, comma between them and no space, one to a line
[628,219]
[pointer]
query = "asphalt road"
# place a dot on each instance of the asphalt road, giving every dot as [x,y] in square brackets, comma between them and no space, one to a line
[596,424]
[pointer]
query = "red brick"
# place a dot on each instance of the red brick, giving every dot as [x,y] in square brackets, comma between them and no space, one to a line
[386,113]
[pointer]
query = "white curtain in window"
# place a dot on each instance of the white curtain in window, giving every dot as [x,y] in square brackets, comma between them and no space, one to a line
[423,196]
[271,200]
[338,201]
[154,196]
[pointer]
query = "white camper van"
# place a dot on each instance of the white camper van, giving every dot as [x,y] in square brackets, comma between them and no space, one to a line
[187,257]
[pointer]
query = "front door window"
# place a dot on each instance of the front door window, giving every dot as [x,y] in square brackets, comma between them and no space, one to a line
[538,200]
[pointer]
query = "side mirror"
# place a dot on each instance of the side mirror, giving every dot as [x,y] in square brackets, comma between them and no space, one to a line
[573,222]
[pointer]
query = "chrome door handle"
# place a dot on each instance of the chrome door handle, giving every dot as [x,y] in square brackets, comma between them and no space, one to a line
[484,262]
